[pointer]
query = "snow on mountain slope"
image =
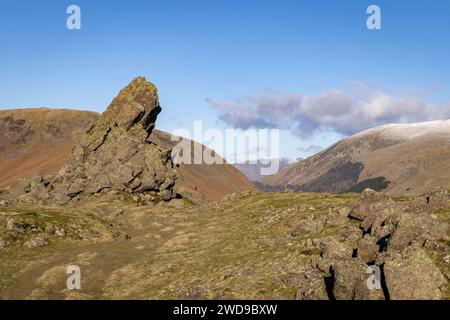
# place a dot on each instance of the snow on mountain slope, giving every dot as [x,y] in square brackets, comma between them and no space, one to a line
[409,131]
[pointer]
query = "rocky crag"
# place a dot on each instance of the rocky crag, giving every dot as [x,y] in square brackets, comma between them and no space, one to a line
[114,155]
[400,239]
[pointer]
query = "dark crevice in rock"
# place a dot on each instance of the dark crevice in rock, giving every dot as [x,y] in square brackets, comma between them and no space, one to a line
[91,128]
[128,157]
[151,119]
[101,190]
[369,231]
[74,194]
[355,253]
[103,140]
[136,120]
[329,285]
[149,122]
[383,243]
[383,284]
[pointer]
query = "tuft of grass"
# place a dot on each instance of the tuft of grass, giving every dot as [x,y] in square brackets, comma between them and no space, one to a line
[443,214]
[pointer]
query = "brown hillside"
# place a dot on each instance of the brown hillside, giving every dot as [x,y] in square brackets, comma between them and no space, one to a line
[210,182]
[38,140]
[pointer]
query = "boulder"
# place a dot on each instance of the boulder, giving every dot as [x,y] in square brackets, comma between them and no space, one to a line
[368,202]
[312,286]
[367,248]
[339,217]
[430,201]
[412,275]
[307,228]
[350,279]
[332,248]
[395,237]
[380,222]
[416,228]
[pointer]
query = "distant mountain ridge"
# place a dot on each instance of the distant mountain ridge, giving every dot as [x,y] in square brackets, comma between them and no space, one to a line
[253,170]
[397,158]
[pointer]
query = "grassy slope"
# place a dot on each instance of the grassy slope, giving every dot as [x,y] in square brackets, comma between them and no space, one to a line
[236,249]
[239,248]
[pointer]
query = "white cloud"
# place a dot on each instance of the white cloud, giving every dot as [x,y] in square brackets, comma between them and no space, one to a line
[344,113]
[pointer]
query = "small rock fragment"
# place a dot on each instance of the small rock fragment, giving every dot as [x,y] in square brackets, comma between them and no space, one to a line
[3,243]
[36,242]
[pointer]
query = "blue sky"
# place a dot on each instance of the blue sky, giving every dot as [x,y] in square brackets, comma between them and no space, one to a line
[241,55]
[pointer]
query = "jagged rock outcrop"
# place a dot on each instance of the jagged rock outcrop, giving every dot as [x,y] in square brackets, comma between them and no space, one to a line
[115,154]
[397,237]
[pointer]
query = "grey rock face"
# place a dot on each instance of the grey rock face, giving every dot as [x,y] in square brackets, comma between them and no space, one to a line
[332,248]
[307,227]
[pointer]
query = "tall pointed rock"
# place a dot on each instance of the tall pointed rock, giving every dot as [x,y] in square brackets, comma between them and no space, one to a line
[114,155]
